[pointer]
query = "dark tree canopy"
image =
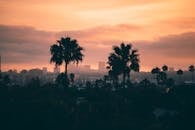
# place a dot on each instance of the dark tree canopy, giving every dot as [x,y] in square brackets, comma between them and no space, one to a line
[180,72]
[155,70]
[192,69]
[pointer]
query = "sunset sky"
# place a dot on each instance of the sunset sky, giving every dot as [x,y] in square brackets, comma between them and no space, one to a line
[162,30]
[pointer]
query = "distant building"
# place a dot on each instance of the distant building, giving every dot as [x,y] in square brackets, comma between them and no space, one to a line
[86,68]
[73,68]
[56,69]
[102,66]
[171,69]
[44,69]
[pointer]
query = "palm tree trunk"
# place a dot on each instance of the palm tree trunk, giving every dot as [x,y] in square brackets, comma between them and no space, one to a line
[66,65]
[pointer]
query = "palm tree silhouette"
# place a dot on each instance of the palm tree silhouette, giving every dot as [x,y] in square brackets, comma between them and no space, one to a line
[164,68]
[180,73]
[66,50]
[123,60]
[192,69]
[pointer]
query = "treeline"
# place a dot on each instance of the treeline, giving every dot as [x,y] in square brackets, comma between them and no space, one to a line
[135,107]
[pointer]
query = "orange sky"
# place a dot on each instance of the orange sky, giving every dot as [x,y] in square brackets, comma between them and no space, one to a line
[99,24]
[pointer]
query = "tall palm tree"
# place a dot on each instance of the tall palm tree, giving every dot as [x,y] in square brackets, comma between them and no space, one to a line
[192,69]
[180,73]
[123,60]
[66,50]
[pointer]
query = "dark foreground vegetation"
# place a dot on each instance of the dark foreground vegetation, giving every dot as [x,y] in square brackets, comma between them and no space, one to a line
[137,107]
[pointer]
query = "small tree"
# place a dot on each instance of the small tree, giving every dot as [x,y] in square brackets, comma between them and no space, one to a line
[62,80]
[72,76]
[192,69]
[180,73]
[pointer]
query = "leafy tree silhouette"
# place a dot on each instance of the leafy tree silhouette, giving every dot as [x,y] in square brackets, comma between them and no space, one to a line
[162,78]
[123,60]
[192,69]
[105,78]
[72,76]
[62,80]
[66,50]
[6,79]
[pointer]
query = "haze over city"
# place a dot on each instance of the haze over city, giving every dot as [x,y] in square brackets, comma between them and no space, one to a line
[163,31]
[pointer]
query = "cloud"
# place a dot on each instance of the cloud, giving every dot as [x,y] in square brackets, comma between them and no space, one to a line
[21,44]
[176,46]
[173,50]
[179,22]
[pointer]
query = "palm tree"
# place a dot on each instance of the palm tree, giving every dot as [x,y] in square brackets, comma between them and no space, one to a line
[66,50]
[192,69]
[165,68]
[123,60]
[180,73]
